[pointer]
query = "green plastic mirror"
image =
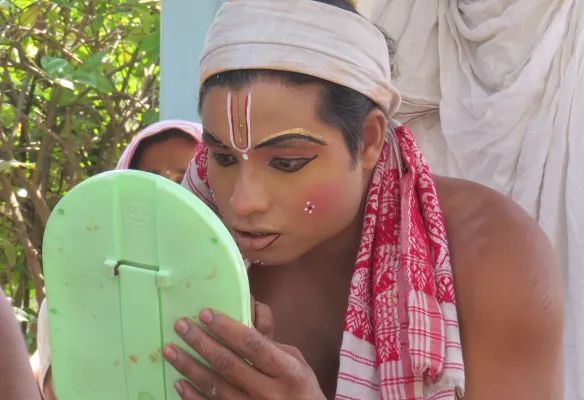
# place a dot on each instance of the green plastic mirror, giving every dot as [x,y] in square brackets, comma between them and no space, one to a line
[127,253]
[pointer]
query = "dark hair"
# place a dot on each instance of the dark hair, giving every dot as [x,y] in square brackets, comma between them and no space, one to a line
[338,105]
[160,137]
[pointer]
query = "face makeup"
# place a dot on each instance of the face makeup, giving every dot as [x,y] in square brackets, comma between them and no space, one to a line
[242,125]
[294,133]
[252,241]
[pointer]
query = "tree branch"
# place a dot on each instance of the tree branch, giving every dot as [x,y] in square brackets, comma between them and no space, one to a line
[32,255]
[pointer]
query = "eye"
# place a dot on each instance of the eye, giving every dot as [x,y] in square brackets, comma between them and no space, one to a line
[290,164]
[223,159]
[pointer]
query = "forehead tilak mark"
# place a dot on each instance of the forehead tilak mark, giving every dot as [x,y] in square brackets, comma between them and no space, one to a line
[243,129]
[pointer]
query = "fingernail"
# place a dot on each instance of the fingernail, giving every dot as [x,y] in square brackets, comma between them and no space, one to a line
[206,316]
[170,353]
[179,387]
[182,327]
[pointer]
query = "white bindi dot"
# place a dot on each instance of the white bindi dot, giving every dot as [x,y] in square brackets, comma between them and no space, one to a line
[245,156]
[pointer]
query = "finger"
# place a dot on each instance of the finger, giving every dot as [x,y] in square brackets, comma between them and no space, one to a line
[264,319]
[208,383]
[249,343]
[186,391]
[293,351]
[225,362]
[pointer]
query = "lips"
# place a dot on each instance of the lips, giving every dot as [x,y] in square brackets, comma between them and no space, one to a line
[251,241]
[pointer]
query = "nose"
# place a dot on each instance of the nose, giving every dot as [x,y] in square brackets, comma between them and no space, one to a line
[249,196]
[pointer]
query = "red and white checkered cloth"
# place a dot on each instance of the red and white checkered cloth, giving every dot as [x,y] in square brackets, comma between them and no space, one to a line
[401,337]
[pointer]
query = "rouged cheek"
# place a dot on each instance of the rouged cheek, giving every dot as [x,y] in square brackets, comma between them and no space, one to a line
[325,201]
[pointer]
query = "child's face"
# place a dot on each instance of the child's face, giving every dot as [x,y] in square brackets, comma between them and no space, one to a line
[169,158]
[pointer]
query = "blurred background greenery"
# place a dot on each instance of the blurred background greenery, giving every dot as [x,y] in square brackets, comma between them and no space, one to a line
[78,78]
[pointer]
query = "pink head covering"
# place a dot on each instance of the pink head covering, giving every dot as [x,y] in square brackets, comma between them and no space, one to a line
[190,128]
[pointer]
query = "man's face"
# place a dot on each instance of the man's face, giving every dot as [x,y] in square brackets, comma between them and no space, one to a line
[283,180]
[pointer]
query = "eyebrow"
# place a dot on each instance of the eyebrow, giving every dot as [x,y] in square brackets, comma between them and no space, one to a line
[282,139]
[210,140]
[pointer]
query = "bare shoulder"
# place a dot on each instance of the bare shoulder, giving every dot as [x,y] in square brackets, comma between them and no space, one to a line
[491,237]
[509,290]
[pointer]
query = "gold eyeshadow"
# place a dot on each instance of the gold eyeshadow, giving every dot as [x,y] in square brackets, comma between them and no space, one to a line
[293,131]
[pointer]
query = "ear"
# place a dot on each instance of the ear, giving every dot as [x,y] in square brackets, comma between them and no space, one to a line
[373,139]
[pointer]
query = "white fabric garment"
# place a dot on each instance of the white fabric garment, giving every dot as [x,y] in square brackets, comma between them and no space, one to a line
[494,90]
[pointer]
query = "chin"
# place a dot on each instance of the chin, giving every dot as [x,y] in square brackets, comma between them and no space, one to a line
[269,260]
[274,257]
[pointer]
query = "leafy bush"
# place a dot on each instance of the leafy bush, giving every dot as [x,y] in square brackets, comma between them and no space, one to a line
[77,79]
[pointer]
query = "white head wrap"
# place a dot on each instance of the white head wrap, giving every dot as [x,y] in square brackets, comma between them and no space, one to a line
[302,36]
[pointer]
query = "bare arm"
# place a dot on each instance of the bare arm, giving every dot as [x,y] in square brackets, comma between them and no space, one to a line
[16,379]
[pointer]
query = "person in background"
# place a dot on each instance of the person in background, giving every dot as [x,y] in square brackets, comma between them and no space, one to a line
[164,148]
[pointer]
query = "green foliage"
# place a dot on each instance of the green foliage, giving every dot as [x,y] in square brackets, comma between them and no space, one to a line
[77,79]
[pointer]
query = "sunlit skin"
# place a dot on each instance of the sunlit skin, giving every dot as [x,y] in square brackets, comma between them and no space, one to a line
[508,286]
[169,158]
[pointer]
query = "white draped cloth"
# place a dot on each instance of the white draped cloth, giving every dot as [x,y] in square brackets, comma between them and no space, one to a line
[494,90]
